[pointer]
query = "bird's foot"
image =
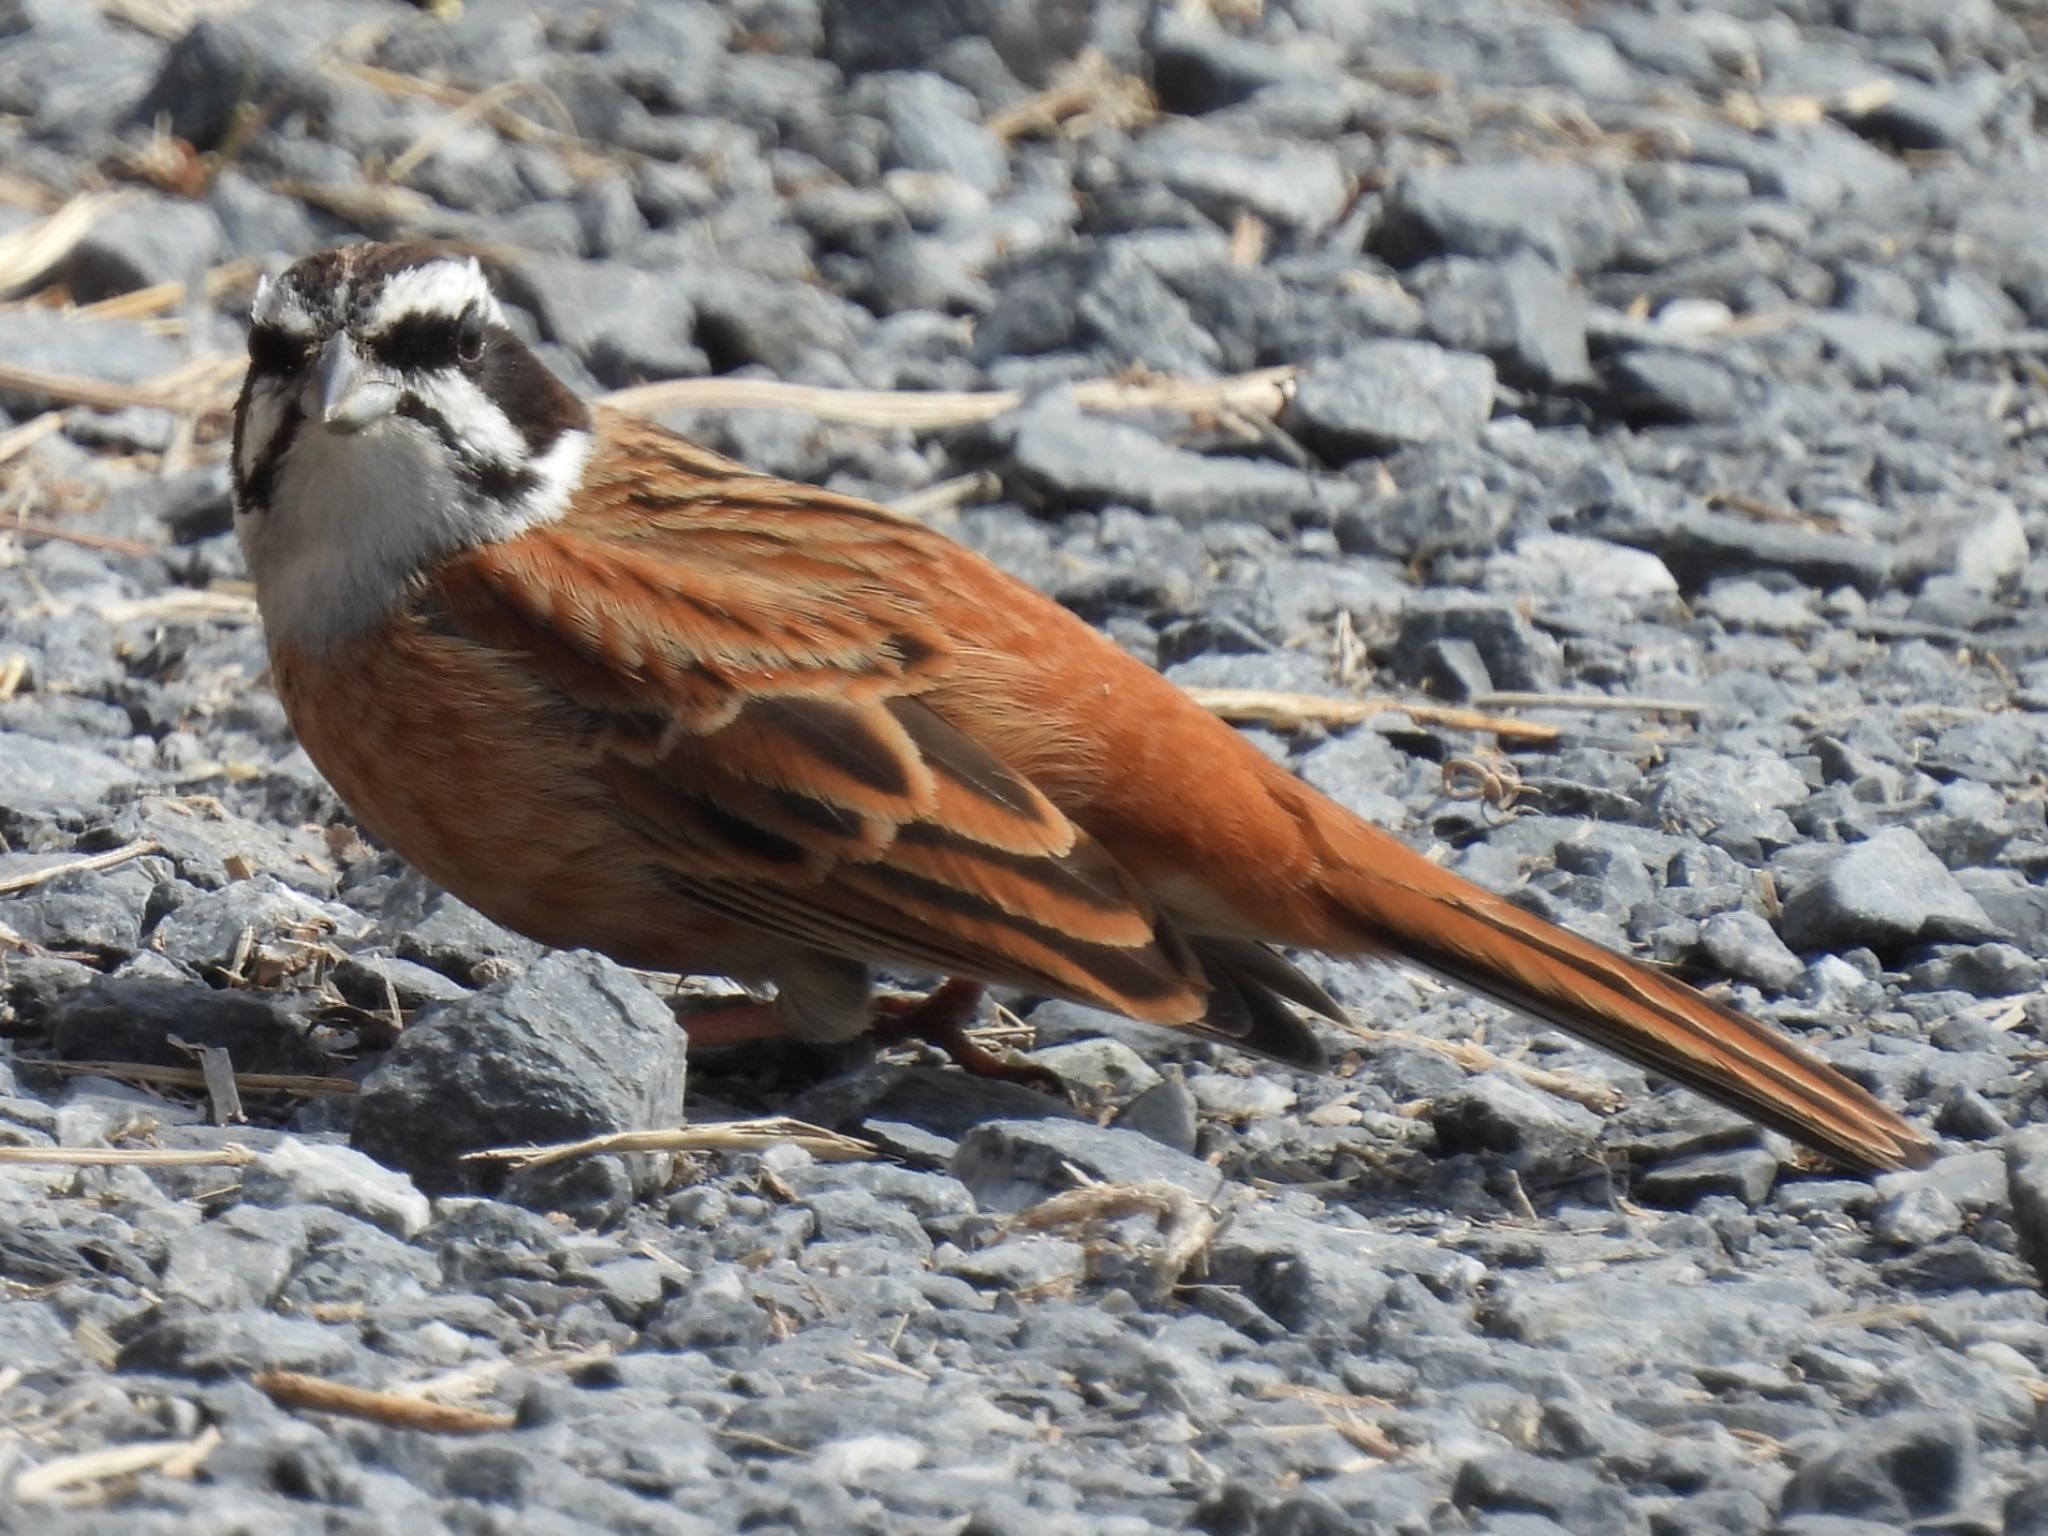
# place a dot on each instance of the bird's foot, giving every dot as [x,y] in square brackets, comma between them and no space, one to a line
[940,1018]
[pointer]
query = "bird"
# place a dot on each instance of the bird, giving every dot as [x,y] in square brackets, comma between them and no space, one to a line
[619,692]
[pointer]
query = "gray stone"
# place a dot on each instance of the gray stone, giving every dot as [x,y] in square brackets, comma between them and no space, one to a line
[669,56]
[1562,212]
[377,983]
[180,1340]
[102,915]
[1199,67]
[1896,1469]
[2026,1171]
[1294,187]
[147,240]
[1010,1164]
[1699,546]
[1746,1174]
[233,1264]
[1031,1262]
[790,328]
[42,773]
[1498,1116]
[1885,892]
[223,65]
[1916,117]
[212,929]
[1652,386]
[1742,945]
[1569,567]
[860,36]
[1080,461]
[934,125]
[1514,1480]
[575,1048]
[121,1019]
[317,1173]
[627,326]
[1107,1066]
[1384,395]
[1227,1096]
[1874,350]
[71,74]
[1519,312]
[1165,1112]
[1516,653]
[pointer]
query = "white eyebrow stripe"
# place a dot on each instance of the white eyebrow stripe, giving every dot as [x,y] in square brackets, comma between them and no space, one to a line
[438,288]
[282,307]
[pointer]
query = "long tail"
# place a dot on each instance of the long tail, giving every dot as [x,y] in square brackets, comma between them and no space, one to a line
[1399,904]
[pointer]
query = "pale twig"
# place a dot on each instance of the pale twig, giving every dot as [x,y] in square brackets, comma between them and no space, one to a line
[193,1077]
[160,298]
[181,603]
[1249,239]
[577,151]
[170,20]
[1474,1057]
[1755,113]
[176,1458]
[18,440]
[1186,1227]
[1291,711]
[207,384]
[365,203]
[1007,1033]
[948,496]
[291,1389]
[1510,698]
[1264,390]
[98,861]
[84,538]
[210,384]
[1089,90]
[481,105]
[731,1136]
[472,1380]
[232,1155]
[1341,1412]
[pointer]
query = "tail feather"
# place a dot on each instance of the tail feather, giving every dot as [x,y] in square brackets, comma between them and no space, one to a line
[1399,903]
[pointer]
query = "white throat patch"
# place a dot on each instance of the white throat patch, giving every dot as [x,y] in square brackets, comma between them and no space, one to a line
[354,518]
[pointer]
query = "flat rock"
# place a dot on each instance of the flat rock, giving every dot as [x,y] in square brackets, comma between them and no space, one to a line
[1384,395]
[576,1047]
[1885,892]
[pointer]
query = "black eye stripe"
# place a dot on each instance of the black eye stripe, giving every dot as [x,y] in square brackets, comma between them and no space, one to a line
[272,350]
[419,341]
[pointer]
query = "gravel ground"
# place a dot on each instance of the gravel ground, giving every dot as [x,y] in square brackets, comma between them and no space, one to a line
[1673,353]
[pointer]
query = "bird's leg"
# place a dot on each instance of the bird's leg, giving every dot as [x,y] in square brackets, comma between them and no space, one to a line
[940,1018]
[740,1021]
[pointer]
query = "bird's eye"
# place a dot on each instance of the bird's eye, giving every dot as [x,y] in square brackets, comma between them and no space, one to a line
[470,333]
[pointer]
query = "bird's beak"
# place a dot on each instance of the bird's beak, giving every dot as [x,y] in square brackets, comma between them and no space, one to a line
[352,396]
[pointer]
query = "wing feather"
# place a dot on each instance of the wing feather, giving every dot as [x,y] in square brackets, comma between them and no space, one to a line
[747,675]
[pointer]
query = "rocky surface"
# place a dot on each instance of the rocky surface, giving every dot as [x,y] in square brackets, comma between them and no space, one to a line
[1648,353]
